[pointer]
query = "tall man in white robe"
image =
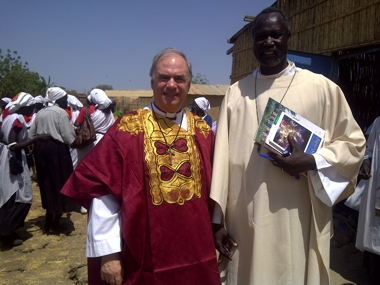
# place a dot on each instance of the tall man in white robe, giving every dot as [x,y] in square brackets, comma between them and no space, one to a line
[269,227]
[368,236]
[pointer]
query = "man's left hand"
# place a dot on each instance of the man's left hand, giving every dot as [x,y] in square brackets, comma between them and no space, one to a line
[223,242]
[112,269]
[297,162]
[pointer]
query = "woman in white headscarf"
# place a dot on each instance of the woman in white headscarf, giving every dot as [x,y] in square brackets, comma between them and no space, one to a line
[3,102]
[40,103]
[200,107]
[52,157]
[15,182]
[100,108]
[75,105]
[29,122]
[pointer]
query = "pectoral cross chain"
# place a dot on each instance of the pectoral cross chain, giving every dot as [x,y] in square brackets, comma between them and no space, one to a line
[170,153]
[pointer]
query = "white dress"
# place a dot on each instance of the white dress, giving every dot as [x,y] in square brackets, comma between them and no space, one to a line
[11,184]
[368,236]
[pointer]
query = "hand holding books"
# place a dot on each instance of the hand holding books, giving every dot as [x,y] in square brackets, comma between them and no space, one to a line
[295,162]
[289,137]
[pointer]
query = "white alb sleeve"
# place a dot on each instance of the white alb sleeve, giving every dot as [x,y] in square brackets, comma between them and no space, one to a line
[327,182]
[217,215]
[103,229]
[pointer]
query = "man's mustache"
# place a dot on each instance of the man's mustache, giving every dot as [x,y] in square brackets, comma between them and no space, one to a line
[274,50]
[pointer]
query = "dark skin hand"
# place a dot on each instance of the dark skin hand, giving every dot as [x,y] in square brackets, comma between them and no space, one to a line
[365,170]
[223,242]
[19,146]
[297,162]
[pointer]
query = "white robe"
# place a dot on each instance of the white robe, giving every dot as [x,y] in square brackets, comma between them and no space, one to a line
[368,235]
[11,184]
[282,228]
[74,115]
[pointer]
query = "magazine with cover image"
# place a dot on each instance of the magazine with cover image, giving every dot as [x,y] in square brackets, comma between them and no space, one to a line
[279,121]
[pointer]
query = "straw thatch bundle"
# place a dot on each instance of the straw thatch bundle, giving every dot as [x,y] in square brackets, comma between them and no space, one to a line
[319,27]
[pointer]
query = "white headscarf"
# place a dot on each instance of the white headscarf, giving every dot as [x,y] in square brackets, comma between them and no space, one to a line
[203,103]
[39,99]
[54,93]
[74,101]
[100,99]
[6,100]
[22,99]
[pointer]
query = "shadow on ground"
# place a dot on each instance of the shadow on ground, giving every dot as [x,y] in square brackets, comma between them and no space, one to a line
[346,262]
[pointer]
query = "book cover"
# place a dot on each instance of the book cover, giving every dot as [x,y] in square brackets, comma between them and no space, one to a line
[279,121]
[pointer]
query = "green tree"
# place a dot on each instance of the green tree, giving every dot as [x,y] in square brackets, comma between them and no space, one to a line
[104,87]
[199,79]
[72,92]
[16,77]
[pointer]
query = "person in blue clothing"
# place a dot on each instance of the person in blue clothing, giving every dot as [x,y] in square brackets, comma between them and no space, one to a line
[200,107]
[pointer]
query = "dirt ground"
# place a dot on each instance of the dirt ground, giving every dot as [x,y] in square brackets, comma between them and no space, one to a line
[60,258]
[46,259]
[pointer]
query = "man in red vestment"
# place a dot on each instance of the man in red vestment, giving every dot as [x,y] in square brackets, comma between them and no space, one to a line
[146,184]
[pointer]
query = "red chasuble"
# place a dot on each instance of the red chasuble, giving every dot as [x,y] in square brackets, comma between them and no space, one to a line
[162,187]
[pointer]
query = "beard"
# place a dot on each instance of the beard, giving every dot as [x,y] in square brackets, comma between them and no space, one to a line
[271,61]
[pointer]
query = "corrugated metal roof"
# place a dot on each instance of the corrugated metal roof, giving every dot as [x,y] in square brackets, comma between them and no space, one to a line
[129,93]
[195,89]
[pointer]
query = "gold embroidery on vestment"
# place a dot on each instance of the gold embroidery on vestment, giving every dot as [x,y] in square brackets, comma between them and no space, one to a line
[203,127]
[130,123]
[179,182]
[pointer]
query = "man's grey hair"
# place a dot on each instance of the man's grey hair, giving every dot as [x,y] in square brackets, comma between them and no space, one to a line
[169,51]
[268,11]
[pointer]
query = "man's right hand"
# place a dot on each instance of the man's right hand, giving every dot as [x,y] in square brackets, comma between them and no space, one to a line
[223,242]
[365,171]
[112,269]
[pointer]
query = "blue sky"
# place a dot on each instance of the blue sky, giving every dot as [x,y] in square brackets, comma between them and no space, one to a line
[81,44]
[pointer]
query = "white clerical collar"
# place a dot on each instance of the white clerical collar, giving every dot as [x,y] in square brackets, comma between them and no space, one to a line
[177,119]
[171,116]
[289,70]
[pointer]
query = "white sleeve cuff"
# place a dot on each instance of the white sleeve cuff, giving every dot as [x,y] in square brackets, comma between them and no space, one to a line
[218,214]
[327,182]
[104,229]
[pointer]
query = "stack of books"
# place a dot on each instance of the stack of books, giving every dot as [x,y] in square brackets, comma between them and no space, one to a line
[278,122]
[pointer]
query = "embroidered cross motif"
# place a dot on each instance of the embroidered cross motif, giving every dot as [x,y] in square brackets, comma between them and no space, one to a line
[170,153]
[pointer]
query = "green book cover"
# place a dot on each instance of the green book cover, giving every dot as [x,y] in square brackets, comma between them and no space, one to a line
[278,122]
